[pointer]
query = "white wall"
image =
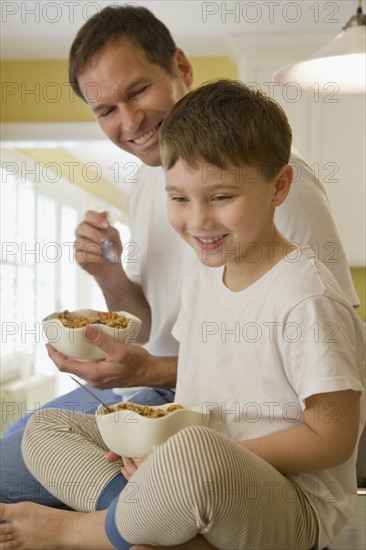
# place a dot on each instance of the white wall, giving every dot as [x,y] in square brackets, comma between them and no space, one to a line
[329,129]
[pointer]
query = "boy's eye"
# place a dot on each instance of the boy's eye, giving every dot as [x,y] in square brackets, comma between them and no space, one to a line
[219,198]
[179,199]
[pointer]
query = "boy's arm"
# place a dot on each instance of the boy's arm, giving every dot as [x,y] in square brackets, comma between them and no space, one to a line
[325,440]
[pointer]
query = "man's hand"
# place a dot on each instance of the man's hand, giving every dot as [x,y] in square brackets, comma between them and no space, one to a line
[90,234]
[120,293]
[125,365]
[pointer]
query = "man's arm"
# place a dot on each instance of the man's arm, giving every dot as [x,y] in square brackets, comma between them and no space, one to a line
[119,291]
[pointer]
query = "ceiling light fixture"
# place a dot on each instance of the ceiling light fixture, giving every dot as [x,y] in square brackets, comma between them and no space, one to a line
[341,62]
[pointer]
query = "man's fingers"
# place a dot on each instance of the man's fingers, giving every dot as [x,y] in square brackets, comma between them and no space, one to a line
[98,219]
[65,364]
[95,335]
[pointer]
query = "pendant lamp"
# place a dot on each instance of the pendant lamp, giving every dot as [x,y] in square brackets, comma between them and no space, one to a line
[341,62]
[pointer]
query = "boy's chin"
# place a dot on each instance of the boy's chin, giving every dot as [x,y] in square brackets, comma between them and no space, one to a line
[209,260]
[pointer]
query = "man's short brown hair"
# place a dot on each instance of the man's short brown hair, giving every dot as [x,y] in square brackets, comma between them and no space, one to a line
[109,26]
[227,123]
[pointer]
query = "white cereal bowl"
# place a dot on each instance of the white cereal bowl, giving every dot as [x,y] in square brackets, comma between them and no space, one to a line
[130,434]
[71,341]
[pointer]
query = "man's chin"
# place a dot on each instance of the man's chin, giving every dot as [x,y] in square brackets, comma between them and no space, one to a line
[148,157]
[151,159]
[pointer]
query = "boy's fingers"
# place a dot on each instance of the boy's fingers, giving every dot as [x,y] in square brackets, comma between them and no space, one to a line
[112,457]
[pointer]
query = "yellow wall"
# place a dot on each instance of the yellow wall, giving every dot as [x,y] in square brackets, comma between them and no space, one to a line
[359,279]
[38,90]
[209,68]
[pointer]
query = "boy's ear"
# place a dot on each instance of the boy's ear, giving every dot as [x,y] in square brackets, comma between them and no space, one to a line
[282,185]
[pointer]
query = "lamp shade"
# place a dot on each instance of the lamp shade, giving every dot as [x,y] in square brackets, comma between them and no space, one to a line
[341,62]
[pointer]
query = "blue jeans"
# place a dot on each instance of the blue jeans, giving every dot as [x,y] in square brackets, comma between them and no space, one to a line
[17,483]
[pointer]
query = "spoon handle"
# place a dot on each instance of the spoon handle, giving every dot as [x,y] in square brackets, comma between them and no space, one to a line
[90,393]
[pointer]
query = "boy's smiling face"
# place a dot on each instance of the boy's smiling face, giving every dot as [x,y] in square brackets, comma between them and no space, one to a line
[221,213]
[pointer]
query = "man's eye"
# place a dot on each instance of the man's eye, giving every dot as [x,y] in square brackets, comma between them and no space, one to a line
[106,112]
[137,92]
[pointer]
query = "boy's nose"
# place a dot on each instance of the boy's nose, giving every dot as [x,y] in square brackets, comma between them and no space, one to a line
[201,218]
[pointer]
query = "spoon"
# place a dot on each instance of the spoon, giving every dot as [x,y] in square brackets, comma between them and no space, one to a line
[91,393]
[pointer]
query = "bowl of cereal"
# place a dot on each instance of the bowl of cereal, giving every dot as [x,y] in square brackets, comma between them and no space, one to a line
[133,430]
[64,331]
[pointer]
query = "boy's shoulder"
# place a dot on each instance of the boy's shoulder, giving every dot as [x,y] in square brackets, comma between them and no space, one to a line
[302,276]
[298,277]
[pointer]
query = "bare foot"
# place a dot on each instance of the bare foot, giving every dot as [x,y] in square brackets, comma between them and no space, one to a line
[31,526]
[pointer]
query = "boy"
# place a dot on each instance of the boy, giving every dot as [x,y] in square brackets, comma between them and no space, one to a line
[268,343]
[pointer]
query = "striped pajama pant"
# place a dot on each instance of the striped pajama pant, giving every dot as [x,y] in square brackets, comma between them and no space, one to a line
[198,482]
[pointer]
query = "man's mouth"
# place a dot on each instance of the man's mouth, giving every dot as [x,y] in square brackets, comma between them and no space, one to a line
[145,137]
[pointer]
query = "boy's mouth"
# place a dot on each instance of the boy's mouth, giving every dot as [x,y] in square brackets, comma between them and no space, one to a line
[210,243]
[210,240]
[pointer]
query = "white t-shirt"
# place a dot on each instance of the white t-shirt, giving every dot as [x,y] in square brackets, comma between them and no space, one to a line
[160,259]
[252,357]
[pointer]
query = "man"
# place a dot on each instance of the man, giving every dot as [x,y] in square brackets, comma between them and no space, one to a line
[125,65]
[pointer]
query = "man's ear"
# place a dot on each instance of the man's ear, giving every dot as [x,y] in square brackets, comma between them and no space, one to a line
[282,184]
[183,68]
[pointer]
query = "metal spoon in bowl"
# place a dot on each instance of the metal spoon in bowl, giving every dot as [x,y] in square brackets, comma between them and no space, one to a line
[91,393]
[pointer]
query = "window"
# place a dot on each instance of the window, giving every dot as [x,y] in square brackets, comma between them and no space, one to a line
[39,274]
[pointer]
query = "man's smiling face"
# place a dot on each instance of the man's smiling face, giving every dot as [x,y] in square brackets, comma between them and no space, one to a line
[131,96]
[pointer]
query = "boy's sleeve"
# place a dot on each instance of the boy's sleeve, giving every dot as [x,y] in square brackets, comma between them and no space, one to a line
[323,348]
[178,325]
[186,300]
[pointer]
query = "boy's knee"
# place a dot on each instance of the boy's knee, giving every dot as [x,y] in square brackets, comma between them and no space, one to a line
[191,444]
[42,417]
[195,438]
[38,424]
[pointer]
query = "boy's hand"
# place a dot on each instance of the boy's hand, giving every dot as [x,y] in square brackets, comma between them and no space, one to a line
[112,457]
[130,466]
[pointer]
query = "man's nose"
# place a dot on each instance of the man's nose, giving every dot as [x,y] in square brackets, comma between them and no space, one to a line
[131,117]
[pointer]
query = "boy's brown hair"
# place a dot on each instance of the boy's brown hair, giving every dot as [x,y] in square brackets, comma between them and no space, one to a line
[109,26]
[227,123]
